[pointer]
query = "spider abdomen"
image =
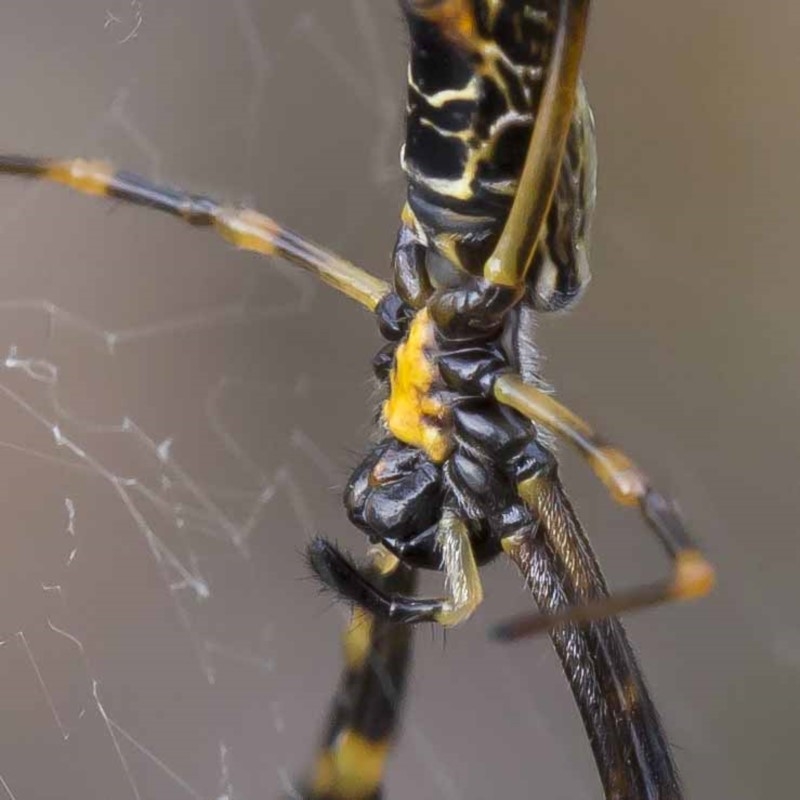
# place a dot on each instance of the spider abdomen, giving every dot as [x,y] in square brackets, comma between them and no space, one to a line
[475,80]
[475,85]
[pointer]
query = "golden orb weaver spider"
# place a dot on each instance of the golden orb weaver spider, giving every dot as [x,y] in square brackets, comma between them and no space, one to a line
[249,230]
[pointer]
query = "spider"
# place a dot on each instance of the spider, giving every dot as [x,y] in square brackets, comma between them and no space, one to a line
[500,162]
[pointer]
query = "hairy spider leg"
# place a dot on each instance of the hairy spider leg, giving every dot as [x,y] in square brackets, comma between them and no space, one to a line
[625,731]
[365,711]
[245,228]
[692,575]
[462,580]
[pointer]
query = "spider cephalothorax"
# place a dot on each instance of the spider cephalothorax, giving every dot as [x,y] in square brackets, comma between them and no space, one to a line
[450,452]
[450,445]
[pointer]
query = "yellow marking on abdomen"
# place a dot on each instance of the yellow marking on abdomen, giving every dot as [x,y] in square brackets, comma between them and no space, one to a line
[412,413]
[352,768]
[455,18]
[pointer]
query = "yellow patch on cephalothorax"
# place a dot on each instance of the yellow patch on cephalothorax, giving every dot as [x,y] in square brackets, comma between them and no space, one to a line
[413,413]
[352,768]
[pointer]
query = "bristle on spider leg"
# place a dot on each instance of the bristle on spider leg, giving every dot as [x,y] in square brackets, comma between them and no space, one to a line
[340,575]
[330,567]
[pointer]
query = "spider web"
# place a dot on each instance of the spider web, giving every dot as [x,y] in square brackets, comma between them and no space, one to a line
[178,419]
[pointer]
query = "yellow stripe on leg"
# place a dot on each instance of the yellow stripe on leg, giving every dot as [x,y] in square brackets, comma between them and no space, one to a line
[694,576]
[624,480]
[351,769]
[465,592]
[357,639]
[89,177]
[245,228]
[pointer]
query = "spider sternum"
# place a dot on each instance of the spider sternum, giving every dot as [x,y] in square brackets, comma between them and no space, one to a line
[414,412]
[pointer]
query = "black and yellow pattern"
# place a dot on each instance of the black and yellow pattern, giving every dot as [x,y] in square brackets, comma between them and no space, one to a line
[364,715]
[244,228]
[500,162]
[484,78]
[692,576]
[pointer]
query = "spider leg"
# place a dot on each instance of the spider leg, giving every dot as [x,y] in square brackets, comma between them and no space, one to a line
[626,734]
[245,228]
[692,575]
[465,592]
[364,713]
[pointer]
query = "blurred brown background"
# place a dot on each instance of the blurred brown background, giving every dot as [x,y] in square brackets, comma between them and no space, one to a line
[176,419]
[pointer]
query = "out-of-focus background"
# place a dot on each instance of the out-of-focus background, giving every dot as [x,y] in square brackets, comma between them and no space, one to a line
[177,419]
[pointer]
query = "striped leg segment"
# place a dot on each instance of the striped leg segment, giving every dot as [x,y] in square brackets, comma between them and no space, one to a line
[365,712]
[692,575]
[243,227]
